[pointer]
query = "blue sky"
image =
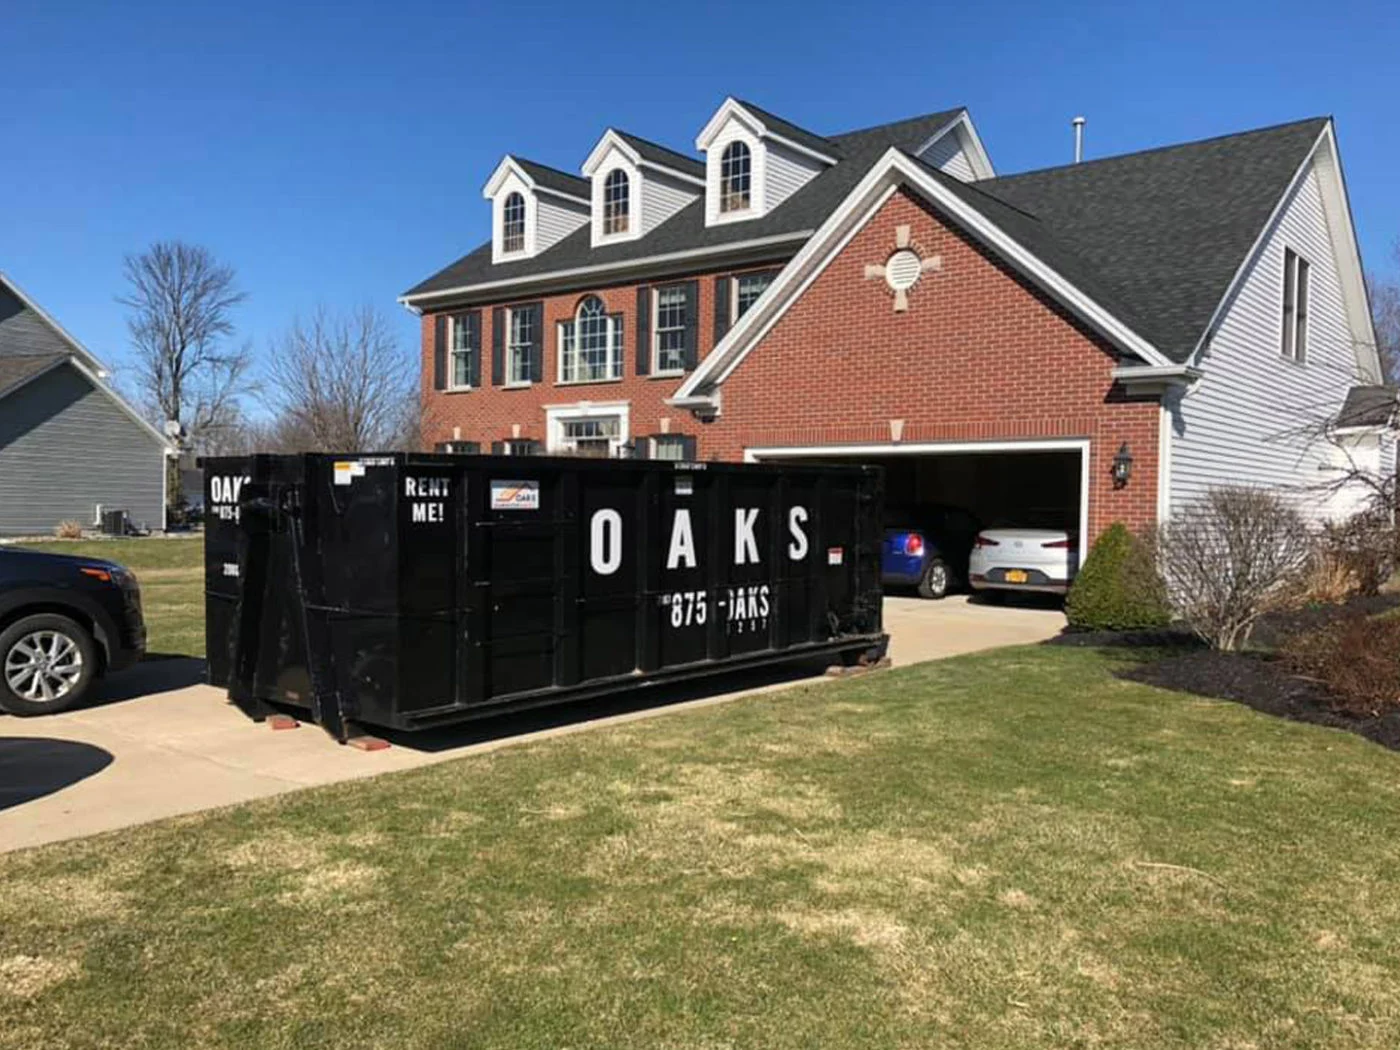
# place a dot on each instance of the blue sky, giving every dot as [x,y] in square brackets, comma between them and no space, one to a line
[335,154]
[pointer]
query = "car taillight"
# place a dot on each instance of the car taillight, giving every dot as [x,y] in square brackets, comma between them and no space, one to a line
[913,544]
[1057,544]
[983,541]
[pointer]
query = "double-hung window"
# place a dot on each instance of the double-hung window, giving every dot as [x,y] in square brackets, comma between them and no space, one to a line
[735,177]
[675,447]
[1295,306]
[513,224]
[590,345]
[520,342]
[594,437]
[669,330]
[747,288]
[462,349]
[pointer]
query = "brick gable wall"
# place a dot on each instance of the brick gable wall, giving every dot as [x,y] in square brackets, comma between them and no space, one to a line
[978,355]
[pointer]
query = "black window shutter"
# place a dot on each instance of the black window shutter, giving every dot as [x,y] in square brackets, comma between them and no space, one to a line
[440,352]
[537,343]
[498,346]
[497,447]
[721,307]
[641,448]
[692,323]
[643,331]
[688,447]
[474,341]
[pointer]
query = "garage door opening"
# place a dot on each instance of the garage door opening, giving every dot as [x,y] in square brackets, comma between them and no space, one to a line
[1031,484]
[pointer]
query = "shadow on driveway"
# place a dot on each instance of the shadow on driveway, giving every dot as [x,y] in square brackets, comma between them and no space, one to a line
[157,673]
[34,766]
[581,712]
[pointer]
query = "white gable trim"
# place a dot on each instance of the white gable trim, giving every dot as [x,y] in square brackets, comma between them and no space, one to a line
[893,170]
[613,140]
[730,109]
[509,166]
[1342,233]
[78,348]
[971,142]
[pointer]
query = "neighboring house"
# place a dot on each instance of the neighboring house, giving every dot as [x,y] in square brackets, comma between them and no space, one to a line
[1195,313]
[69,444]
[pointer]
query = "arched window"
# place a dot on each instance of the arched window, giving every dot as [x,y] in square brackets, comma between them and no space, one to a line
[513,224]
[616,193]
[590,344]
[735,177]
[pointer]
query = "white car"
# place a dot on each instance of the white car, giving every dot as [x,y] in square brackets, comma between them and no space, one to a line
[1009,559]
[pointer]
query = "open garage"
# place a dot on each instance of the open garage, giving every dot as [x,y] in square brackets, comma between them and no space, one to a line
[1041,484]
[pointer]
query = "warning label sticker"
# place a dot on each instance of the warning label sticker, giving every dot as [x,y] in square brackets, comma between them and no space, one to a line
[515,495]
[347,471]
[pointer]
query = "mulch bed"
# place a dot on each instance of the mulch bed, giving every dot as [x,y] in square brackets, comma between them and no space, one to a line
[1255,679]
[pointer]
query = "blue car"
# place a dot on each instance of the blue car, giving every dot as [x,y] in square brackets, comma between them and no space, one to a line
[930,554]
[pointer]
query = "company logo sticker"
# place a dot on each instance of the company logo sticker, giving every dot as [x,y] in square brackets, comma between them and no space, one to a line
[515,495]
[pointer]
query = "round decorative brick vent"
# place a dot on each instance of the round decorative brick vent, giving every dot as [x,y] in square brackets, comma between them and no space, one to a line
[902,269]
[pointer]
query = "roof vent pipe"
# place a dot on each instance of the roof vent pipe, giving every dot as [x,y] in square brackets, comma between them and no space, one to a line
[1078,123]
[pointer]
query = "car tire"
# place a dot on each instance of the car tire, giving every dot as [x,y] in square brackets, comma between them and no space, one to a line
[61,659]
[936,580]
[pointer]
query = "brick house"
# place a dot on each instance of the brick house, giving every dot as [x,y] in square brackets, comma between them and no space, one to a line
[996,342]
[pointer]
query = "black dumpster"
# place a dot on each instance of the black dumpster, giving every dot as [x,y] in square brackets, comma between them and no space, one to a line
[412,591]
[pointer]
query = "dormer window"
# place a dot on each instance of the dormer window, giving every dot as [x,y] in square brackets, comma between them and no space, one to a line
[513,223]
[616,202]
[735,177]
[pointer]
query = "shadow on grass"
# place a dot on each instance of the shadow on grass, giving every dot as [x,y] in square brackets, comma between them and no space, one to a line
[32,767]
[581,712]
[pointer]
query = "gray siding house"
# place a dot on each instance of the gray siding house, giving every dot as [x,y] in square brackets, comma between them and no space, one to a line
[68,442]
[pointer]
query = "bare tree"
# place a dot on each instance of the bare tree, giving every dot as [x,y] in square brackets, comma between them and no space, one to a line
[342,383]
[181,300]
[1230,557]
[1385,312]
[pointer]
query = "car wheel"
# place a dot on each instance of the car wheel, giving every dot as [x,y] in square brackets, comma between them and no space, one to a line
[936,579]
[47,664]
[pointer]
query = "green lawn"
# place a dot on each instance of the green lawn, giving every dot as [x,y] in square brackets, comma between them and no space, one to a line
[171,572]
[1014,849]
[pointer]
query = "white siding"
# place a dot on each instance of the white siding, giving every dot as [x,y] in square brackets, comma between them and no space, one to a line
[949,156]
[1243,422]
[662,197]
[555,219]
[785,173]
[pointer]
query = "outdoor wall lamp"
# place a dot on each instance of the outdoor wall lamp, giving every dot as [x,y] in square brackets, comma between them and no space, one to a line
[1122,466]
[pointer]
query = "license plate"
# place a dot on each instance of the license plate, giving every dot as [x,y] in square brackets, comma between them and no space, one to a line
[1017,576]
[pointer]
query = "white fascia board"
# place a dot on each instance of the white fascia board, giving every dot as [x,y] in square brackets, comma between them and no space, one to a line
[610,268]
[507,167]
[893,170]
[1343,236]
[610,140]
[732,108]
[121,403]
[93,362]
[976,153]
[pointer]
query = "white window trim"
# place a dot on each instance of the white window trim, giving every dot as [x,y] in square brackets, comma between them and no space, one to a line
[734,313]
[452,386]
[614,322]
[512,183]
[510,383]
[654,335]
[616,160]
[556,415]
[758,175]
[1294,357]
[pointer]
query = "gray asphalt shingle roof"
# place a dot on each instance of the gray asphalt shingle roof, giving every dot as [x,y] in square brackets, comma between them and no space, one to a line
[1154,237]
[1369,406]
[804,211]
[16,369]
[554,179]
[664,156]
[788,130]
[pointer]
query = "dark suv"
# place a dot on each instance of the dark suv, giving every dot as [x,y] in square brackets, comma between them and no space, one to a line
[64,622]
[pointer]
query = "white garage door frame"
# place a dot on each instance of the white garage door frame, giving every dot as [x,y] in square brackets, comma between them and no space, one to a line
[936,448]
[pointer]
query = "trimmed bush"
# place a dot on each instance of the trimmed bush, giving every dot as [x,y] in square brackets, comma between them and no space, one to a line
[1357,661]
[1118,588]
[68,530]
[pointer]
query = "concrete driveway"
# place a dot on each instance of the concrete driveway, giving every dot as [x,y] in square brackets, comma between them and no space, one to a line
[160,743]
